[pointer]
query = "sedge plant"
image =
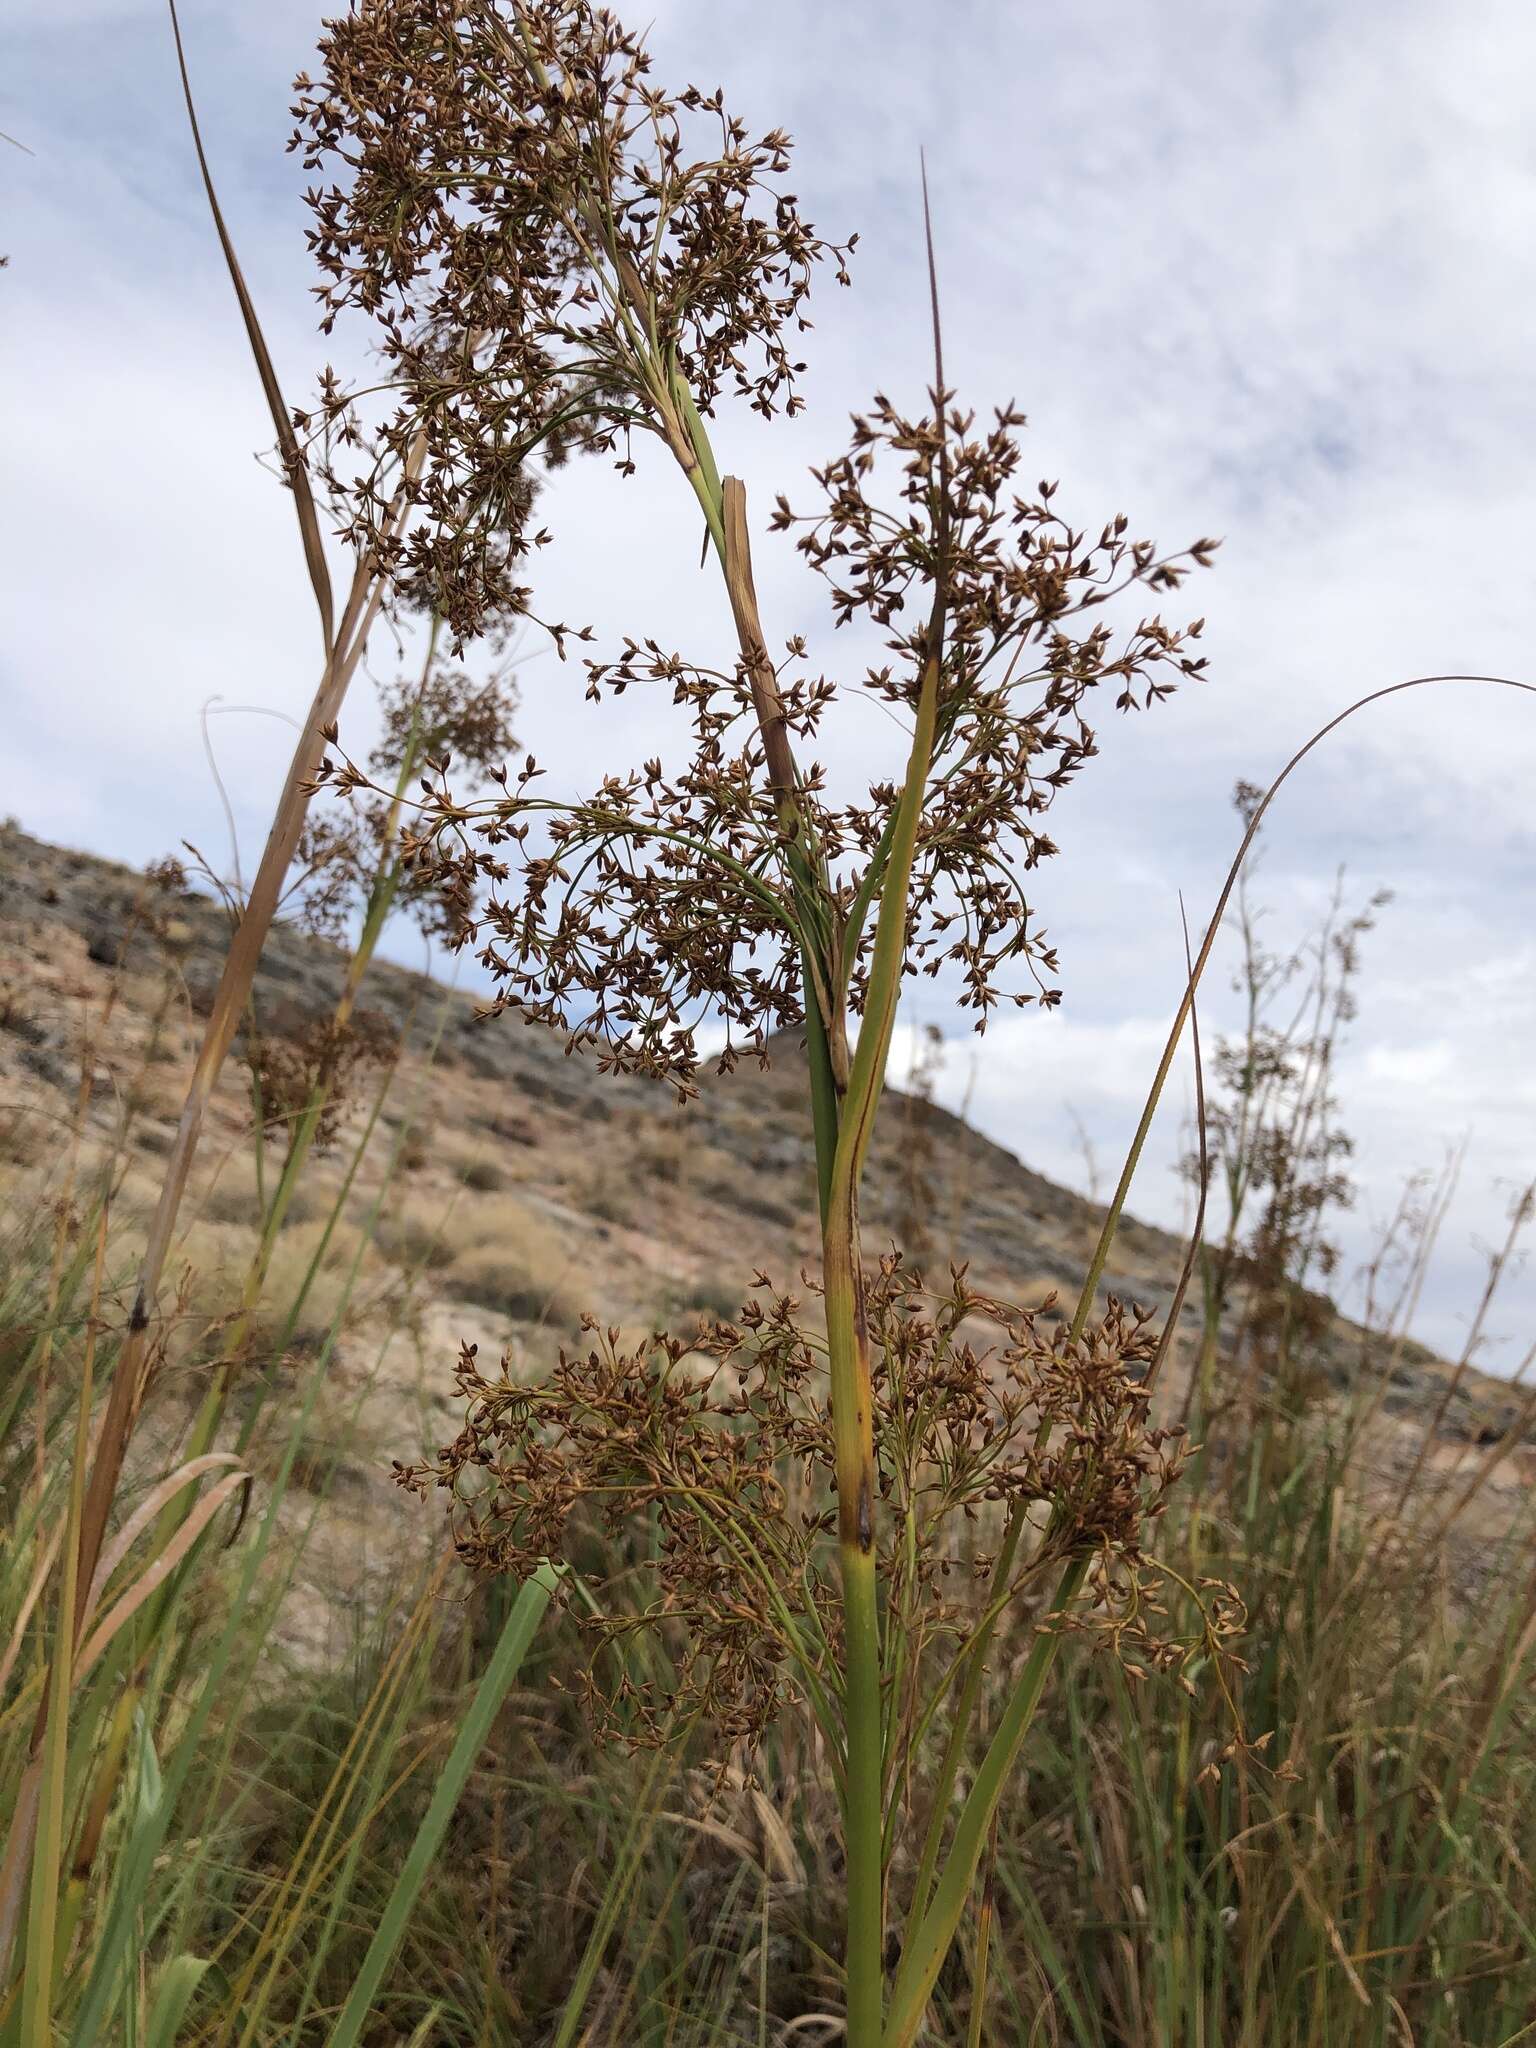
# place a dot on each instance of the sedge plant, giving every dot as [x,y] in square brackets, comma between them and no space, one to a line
[558,255]
[800,1504]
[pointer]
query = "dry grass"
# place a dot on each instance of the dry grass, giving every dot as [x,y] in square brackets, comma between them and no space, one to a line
[508,1258]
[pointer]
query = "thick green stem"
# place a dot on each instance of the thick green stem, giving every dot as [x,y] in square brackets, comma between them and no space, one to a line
[853,1405]
[844,1098]
[824,1097]
[853,1440]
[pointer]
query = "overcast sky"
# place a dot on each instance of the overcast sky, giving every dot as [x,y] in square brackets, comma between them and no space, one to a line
[1260,270]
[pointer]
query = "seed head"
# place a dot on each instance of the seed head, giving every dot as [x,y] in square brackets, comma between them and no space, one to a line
[554,252]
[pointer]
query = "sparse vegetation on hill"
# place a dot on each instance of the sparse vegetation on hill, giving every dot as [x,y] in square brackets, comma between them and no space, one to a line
[673,1882]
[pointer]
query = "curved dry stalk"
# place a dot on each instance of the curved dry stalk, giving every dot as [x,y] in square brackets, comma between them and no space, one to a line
[157,1498]
[344,649]
[294,471]
[934,1930]
[233,992]
[155,1574]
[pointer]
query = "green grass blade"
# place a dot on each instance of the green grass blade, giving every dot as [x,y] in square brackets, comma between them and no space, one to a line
[925,1952]
[178,1981]
[527,1612]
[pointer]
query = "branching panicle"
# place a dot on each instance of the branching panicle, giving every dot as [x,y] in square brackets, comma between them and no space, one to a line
[555,253]
[669,899]
[1020,660]
[706,1462]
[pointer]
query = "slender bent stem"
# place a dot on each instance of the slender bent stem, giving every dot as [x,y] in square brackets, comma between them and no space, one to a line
[960,1727]
[925,1952]
[984,1920]
[935,1925]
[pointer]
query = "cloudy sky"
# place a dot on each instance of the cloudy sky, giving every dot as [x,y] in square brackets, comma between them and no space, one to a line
[1261,270]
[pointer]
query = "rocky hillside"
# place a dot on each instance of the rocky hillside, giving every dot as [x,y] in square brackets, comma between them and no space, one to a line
[516,1185]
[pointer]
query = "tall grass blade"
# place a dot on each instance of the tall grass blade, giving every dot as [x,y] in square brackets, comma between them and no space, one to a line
[517,1634]
[293,462]
[178,1980]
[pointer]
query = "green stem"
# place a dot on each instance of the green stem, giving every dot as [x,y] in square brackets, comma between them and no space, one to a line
[925,1952]
[853,1438]
[867,1074]
[959,1728]
[853,1404]
[824,1101]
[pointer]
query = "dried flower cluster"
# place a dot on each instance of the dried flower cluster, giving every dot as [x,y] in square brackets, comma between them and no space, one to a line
[1013,584]
[549,262]
[301,1060]
[445,717]
[555,252]
[668,899]
[707,1462]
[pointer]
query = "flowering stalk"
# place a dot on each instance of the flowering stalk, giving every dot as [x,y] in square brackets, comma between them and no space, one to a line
[511,180]
[553,273]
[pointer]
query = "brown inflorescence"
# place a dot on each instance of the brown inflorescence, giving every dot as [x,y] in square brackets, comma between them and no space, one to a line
[556,254]
[303,1062]
[554,251]
[707,1463]
[665,899]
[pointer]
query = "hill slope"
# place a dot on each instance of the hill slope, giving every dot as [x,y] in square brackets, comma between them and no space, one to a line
[525,1186]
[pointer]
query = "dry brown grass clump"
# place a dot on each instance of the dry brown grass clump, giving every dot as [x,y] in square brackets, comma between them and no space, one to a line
[509,1258]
